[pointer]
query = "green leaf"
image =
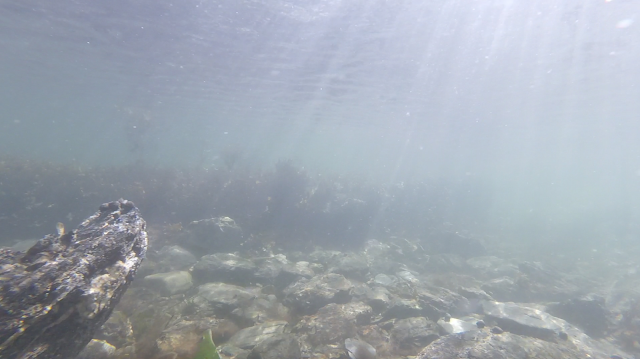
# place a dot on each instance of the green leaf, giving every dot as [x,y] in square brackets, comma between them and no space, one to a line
[207,349]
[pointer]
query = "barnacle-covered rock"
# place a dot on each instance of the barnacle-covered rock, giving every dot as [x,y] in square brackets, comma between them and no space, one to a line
[55,295]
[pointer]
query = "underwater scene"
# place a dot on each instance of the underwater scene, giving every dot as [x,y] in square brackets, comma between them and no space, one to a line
[319,179]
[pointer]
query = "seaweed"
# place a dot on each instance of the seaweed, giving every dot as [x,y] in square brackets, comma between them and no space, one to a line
[285,205]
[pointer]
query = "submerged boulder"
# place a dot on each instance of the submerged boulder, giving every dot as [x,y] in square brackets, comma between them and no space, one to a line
[307,296]
[248,338]
[54,296]
[225,267]
[169,283]
[410,335]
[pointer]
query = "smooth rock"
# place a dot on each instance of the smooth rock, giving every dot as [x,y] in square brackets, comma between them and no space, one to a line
[225,267]
[352,266]
[169,283]
[385,280]
[175,258]
[224,298]
[455,325]
[587,313]
[291,273]
[283,346]
[359,349]
[523,320]
[526,321]
[268,269]
[97,349]
[402,308]
[378,298]
[248,338]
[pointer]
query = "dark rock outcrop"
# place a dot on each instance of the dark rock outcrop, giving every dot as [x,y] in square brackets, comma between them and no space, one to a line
[54,296]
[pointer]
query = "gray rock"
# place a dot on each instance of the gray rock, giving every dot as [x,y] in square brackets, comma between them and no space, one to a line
[539,284]
[483,344]
[587,313]
[536,323]
[402,308]
[523,320]
[408,276]
[263,308]
[97,349]
[293,272]
[225,267]
[455,325]
[248,338]
[331,325]
[325,257]
[233,352]
[359,349]
[502,289]
[283,346]
[117,330]
[224,298]
[358,312]
[352,266]
[87,269]
[385,280]
[378,298]
[170,283]
[268,269]
[175,258]
[474,293]
[410,335]
[307,296]
[376,249]
[437,301]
